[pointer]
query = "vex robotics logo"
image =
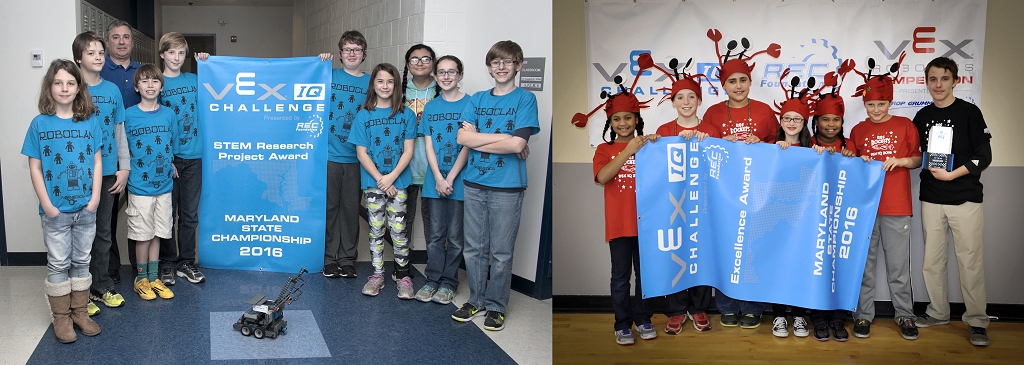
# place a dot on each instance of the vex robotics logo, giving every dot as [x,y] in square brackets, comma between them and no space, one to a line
[305,97]
[676,162]
[309,91]
[921,42]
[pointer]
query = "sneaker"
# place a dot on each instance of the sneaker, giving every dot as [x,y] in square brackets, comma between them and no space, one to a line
[750,322]
[190,272]
[373,285]
[979,336]
[167,275]
[332,270]
[443,296]
[780,328]
[862,328]
[839,331]
[426,293]
[700,322]
[161,290]
[143,290]
[800,327]
[821,331]
[926,321]
[111,299]
[623,337]
[92,308]
[405,288]
[495,321]
[647,331]
[675,324]
[348,271]
[730,320]
[467,313]
[907,328]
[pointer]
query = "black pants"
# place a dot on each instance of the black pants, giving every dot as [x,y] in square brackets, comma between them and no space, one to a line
[826,316]
[693,300]
[779,310]
[625,253]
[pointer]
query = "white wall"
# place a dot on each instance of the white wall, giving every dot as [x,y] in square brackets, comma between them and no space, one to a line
[49,25]
[528,23]
[390,28]
[262,31]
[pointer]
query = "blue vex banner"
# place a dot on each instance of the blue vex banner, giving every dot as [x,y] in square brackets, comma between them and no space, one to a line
[755,221]
[264,163]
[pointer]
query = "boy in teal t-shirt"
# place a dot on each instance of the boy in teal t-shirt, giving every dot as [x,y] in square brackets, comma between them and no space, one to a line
[497,126]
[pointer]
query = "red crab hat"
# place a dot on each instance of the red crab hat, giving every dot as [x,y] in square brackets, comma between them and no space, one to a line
[801,101]
[739,64]
[681,82]
[878,87]
[832,102]
[623,101]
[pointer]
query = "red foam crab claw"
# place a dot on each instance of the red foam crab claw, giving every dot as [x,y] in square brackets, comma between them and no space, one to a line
[579,120]
[847,66]
[774,50]
[645,61]
[830,79]
[714,35]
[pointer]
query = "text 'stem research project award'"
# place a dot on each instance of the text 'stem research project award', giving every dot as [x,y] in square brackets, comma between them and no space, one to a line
[264,163]
[756,222]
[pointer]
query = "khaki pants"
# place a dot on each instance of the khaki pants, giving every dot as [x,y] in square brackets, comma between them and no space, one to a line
[967,223]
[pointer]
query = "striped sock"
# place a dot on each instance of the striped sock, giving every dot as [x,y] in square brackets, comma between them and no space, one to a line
[153,270]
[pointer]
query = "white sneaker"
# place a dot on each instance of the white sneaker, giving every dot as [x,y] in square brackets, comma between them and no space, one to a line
[800,327]
[779,327]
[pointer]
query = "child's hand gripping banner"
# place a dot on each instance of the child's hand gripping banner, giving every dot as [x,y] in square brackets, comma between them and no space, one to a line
[754,221]
[264,163]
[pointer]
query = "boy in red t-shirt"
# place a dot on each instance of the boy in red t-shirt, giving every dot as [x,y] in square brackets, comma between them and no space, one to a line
[895,141]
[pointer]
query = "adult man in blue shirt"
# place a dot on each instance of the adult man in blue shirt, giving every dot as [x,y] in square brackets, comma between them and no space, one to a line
[119,69]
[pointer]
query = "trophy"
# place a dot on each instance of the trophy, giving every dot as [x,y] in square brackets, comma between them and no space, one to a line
[940,148]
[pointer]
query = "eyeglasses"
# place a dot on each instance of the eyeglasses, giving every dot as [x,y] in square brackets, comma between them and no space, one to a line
[449,73]
[503,63]
[351,50]
[425,60]
[795,120]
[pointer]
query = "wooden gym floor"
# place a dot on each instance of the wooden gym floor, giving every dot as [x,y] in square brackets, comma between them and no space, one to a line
[589,338]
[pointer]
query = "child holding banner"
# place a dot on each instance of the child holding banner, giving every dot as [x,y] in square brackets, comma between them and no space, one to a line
[151,130]
[894,141]
[497,124]
[443,186]
[383,135]
[348,91]
[828,136]
[68,193]
[180,95]
[686,96]
[88,49]
[740,119]
[615,160]
[792,132]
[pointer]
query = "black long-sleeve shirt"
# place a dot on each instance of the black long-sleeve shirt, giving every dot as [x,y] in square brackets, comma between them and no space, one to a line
[971,149]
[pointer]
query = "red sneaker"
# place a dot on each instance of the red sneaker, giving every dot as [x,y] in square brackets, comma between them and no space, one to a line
[675,324]
[701,322]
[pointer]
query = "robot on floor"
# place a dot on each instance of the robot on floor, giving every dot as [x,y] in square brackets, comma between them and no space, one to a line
[266,317]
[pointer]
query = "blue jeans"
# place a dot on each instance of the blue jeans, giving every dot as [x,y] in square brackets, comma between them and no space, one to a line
[727,305]
[68,239]
[491,220]
[444,243]
[625,253]
[185,202]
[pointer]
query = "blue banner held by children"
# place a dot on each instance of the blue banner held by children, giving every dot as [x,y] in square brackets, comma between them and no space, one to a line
[264,163]
[754,221]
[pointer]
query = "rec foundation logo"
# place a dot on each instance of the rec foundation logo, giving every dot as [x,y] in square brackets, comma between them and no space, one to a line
[717,156]
[314,126]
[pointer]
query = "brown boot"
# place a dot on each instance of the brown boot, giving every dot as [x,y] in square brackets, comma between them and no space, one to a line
[79,303]
[59,296]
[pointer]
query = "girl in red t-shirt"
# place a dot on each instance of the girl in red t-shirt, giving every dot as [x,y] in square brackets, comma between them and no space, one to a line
[894,141]
[615,169]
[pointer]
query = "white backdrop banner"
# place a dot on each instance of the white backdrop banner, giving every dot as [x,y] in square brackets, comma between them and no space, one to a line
[815,35]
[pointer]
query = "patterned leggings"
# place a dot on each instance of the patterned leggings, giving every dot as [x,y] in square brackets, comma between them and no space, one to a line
[380,210]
